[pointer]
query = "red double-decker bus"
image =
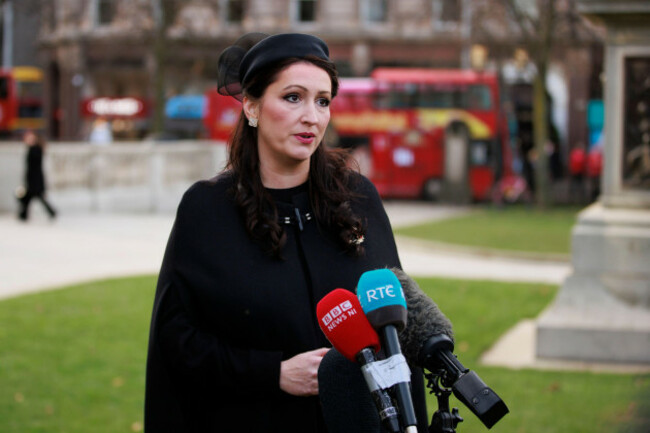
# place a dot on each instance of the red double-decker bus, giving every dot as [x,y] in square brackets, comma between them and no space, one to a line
[21,100]
[437,134]
[424,132]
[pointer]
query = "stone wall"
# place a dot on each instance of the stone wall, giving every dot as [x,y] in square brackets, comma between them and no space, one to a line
[125,177]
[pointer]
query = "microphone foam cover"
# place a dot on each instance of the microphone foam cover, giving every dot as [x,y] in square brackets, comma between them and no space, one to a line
[382,299]
[346,402]
[424,318]
[341,318]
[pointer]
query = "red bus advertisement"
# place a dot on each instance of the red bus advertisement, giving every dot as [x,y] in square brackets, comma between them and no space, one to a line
[21,100]
[425,132]
[436,134]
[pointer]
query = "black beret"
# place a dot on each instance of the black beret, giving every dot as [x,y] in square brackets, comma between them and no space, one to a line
[278,47]
[254,51]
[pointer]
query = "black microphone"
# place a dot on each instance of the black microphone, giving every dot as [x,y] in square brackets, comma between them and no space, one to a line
[342,321]
[428,343]
[381,298]
[346,404]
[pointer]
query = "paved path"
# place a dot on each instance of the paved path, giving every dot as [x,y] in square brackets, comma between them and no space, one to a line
[41,255]
[77,247]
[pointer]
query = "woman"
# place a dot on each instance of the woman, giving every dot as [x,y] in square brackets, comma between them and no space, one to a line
[235,344]
[34,176]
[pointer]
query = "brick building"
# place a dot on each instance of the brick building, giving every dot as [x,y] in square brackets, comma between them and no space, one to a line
[107,48]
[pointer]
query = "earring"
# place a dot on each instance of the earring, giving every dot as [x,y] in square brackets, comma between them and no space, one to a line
[252,122]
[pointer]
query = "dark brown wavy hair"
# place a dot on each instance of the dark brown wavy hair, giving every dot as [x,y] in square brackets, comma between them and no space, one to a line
[329,177]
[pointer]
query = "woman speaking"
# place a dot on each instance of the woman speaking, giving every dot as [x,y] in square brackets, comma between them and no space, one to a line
[235,344]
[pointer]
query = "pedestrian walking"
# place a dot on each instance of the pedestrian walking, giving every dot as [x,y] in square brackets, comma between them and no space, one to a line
[34,176]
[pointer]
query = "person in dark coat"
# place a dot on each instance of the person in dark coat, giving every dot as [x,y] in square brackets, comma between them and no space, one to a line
[234,342]
[34,176]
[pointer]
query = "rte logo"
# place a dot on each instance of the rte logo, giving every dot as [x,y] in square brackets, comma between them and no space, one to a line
[383,292]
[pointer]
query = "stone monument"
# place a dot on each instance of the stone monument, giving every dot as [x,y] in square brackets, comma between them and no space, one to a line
[602,311]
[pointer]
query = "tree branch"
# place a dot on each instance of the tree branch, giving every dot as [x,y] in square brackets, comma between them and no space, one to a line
[524,21]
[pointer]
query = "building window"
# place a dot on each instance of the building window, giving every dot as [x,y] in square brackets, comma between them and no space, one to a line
[106,11]
[170,10]
[234,11]
[447,12]
[305,11]
[51,17]
[374,11]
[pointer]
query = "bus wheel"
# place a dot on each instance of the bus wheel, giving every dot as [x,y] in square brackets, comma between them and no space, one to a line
[432,189]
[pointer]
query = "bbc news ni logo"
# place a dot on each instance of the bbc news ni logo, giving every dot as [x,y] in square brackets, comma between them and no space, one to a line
[338,314]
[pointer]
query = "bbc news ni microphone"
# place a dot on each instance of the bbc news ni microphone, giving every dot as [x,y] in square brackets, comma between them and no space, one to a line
[344,395]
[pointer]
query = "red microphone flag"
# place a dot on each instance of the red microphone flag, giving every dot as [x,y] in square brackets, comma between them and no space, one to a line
[343,322]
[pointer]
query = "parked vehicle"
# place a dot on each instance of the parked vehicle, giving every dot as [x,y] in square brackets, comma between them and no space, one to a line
[425,132]
[221,115]
[437,134]
[21,100]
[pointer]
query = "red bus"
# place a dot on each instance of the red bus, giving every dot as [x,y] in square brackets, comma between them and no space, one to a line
[436,134]
[21,100]
[424,132]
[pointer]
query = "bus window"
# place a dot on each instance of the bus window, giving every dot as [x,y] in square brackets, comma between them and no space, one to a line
[472,97]
[30,111]
[29,90]
[398,96]
[441,95]
[433,97]
[477,97]
[4,87]
[29,98]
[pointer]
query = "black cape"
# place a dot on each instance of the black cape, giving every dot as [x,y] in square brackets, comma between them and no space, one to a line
[226,314]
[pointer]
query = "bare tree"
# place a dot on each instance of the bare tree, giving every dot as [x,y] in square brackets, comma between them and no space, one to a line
[537,32]
[164,13]
[160,57]
[536,25]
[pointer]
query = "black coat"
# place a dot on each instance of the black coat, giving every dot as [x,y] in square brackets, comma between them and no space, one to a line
[226,314]
[34,177]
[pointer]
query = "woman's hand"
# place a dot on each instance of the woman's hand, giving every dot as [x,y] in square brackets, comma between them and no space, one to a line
[299,375]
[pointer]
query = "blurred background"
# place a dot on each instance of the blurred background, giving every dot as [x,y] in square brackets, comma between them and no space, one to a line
[525,115]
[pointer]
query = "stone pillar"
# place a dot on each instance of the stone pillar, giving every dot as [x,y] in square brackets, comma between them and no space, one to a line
[602,312]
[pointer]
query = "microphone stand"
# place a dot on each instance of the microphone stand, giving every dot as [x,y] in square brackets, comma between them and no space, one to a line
[444,420]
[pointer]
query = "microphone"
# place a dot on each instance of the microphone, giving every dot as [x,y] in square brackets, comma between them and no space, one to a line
[341,319]
[345,401]
[381,297]
[428,343]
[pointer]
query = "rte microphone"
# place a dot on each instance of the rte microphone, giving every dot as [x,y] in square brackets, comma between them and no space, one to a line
[428,343]
[381,297]
[341,319]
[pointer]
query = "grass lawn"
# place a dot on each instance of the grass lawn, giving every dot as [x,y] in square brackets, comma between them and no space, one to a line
[516,228]
[73,361]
